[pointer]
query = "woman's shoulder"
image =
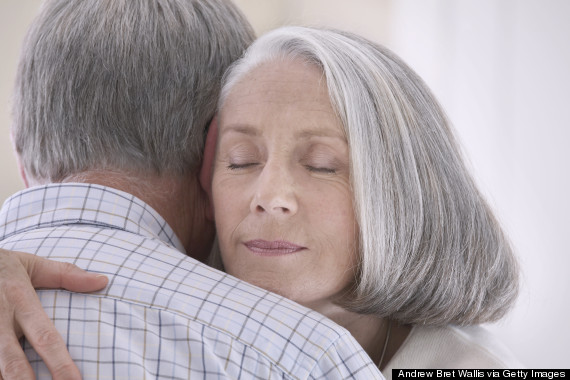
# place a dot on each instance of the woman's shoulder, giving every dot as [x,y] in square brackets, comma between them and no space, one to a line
[452,347]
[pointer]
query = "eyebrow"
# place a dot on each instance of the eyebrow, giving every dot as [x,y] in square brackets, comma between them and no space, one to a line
[240,128]
[320,133]
[249,130]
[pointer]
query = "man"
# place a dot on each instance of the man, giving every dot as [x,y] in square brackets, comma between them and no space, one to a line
[112,101]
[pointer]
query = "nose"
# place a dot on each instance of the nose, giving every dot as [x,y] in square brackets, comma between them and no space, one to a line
[274,192]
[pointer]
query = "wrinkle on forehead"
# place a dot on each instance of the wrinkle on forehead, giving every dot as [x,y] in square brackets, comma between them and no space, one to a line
[297,88]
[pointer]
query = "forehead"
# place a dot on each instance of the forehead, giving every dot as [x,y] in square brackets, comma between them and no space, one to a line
[284,76]
[289,91]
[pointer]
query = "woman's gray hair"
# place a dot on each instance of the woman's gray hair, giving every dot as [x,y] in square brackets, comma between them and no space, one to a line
[122,84]
[431,249]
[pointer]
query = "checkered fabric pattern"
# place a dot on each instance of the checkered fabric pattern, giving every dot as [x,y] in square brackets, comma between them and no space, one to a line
[163,314]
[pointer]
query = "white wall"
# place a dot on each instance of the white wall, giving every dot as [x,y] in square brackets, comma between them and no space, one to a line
[15,16]
[501,68]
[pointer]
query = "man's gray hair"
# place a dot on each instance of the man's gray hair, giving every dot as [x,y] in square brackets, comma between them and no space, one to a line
[126,85]
[431,249]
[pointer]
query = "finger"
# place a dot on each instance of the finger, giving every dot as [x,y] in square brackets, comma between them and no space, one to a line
[22,309]
[46,273]
[13,362]
[51,348]
[41,333]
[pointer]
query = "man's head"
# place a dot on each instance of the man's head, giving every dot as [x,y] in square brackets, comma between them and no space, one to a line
[121,85]
[120,92]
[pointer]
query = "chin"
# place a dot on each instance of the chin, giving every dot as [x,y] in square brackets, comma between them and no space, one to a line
[281,287]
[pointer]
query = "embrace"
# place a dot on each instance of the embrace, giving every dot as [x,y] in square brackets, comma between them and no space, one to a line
[293,207]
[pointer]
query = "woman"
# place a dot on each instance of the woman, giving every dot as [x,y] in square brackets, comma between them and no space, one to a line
[337,182]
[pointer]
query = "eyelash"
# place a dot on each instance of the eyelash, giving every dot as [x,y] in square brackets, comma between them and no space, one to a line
[320,170]
[241,166]
[308,167]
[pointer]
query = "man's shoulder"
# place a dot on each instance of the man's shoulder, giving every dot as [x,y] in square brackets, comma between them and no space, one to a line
[156,288]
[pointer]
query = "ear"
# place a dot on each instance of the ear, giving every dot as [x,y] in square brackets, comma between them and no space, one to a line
[22,171]
[19,161]
[208,164]
[23,175]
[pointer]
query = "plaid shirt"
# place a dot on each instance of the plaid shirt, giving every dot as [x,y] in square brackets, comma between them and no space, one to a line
[163,314]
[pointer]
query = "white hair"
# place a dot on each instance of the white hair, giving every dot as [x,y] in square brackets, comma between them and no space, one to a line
[122,84]
[431,249]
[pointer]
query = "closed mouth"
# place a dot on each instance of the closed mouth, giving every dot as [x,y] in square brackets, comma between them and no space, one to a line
[272,248]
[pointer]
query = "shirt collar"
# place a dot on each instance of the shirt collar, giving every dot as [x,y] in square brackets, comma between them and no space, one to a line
[80,203]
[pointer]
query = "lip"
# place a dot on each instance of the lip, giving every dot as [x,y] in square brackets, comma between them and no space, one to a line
[272,248]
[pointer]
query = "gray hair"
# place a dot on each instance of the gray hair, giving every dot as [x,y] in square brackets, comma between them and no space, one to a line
[122,84]
[431,249]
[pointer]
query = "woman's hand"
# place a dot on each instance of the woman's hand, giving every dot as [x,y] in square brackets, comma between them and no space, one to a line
[21,312]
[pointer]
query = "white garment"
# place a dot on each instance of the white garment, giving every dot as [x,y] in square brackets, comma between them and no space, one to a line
[451,347]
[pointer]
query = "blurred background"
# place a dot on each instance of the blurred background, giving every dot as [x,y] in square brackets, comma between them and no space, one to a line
[501,69]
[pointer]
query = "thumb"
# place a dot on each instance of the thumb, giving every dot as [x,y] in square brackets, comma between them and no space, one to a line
[46,273]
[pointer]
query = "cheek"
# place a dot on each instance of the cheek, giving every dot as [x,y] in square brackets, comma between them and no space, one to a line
[229,201]
[334,216]
[333,206]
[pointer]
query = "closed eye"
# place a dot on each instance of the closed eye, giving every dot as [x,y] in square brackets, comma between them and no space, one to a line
[320,170]
[242,166]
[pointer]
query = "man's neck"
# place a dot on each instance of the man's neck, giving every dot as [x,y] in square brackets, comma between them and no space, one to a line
[179,200]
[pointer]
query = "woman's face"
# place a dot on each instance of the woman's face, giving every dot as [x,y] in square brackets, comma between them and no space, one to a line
[281,191]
